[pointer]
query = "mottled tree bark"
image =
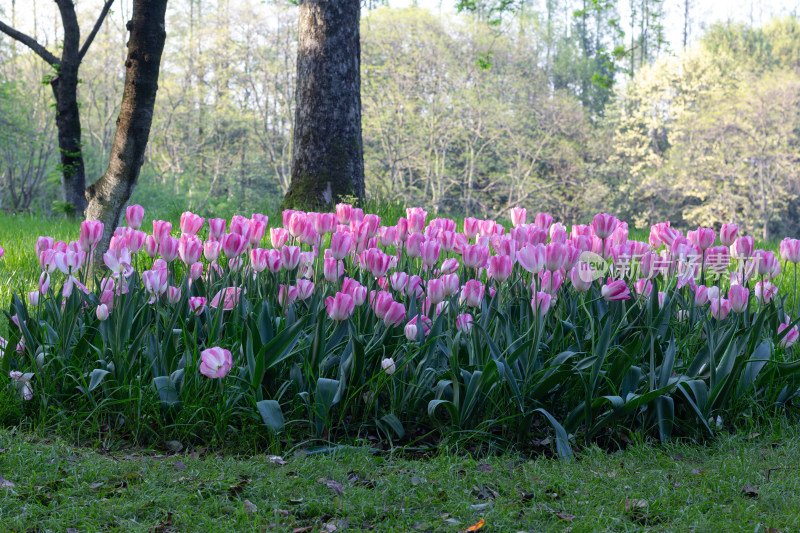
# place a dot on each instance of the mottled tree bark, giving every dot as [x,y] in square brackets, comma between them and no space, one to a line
[108,196]
[327,154]
[64,84]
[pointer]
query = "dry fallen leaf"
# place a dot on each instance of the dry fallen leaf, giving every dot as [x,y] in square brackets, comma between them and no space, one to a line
[179,465]
[335,486]
[634,505]
[478,525]
[747,490]
[276,459]
[565,516]
[250,507]
[485,467]
[305,529]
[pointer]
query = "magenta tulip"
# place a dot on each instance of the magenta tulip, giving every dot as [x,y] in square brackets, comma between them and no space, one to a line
[133,216]
[615,290]
[541,303]
[216,362]
[472,293]
[518,216]
[720,308]
[738,297]
[395,316]
[728,233]
[340,307]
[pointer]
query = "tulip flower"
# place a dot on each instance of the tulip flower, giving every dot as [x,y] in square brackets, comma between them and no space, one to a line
[197,304]
[381,302]
[543,220]
[396,315]
[216,362]
[411,329]
[500,267]
[91,233]
[701,295]
[344,212]
[554,255]
[603,225]
[161,229]
[702,237]
[720,308]
[742,247]
[464,323]
[305,288]
[474,256]
[22,384]
[429,251]
[531,257]
[728,233]
[169,248]
[190,223]
[643,286]
[615,290]
[228,298]
[133,216]
[765,292]
[340,307]
[155,283]
[738,297]
[549,282]
[518,216]
[581,276]
[102,312]
[174,295]
[387,365]
[472,293]
[541,303]
[290,257]
[471,227]
[414,245]
[791,337]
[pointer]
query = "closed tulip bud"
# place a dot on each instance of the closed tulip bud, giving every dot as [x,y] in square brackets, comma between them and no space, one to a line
[543,220]
[133,216]
[150,246]
[341,244]
[500,267]
[471,227]
[435,291]
[791,336]
[531,257]
[190,223]
[395,316]
[258,259]
[305,288]
[216,228]
[388,235]
[541,303]
[728,233]
[290,257]
[451,284]
[472,293]
[643,286]
[518,216]
[344,213]
[742,247]
[603,225]
[449,266]
[414,245]
[161,229]
[332,269]
[765,292]
[615,290]
[581,276]
[411,330]
[399,281]
[416,219]
[550,282]
[738,297]
[702,237]
[388,365]
[558,233]
[554,256]
[102,312]
[169,248]
[429,252]
[197,304]
[464,323]
[701,295]
[286,294]
[33,298]
[720,308]
[174,295]
[339,307]
[475,256]
[91,233]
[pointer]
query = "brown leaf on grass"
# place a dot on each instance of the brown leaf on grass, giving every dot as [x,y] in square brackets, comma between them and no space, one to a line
[484,467]
[95,486]
[752,492]
[164,525]
[752,436]
[179,465]
[4,450]
[335,486]
[565,516]
[305,529]
[276,460]
[634,505]
[250,507]
[476,526]
[236,489]
[696,472]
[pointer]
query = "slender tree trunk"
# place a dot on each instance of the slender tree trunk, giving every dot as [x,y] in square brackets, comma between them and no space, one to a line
[327,154]
[109,195]
[68,123]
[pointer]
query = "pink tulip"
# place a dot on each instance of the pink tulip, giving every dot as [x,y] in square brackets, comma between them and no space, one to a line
[615,290]
[429,252]
[241,226]
[133,216]
[395,316]
[554,255]
[790,250]
[387,365]
[341,243]
[738,297]
[399,281]
[174,295]
[33,298]
[305,288]
[720,308]
[286,294]
[278,237]
[332,269]
[558,233]
[471,227]
[91,233]
[701,295]
[155,282]
[216,362]
[500,267]
[377,262]
[161,229]
[388,235]
[728,233]
[197,304]
[150,246]
[643,286]
[297,224]
[190,223]
[475,256]
[411,329]
[258,259]
[581,276]
[344,212]
[227,298]
[414,245]
[743,247]
[216,228]
[464,323]
[531,257]
[791,337]
[449,266]
[603,225]
[765,292]
[340,307]
[233,244]
[518,216]
[550,282]
[290,256]
[702,237]
[416,219]
[472,293]
[435,291]
[355,290]
[381,303]
[766,263]
[543,220]
[661,297]
[169,248]
[541,303]
[257,229]
[451,284]
[190,249]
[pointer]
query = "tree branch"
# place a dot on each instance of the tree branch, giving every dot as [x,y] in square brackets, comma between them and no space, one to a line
[30,42]
[96,28]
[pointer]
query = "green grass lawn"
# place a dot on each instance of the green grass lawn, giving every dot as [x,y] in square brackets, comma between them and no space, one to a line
[746,482]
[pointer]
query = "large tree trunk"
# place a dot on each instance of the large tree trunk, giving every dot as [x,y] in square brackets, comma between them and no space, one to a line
[327,155]
[108,196]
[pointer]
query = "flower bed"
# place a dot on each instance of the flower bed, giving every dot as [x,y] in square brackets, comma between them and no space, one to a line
[344,326]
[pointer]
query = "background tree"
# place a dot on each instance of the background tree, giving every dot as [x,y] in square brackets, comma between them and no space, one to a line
[327,152]
[64,83]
